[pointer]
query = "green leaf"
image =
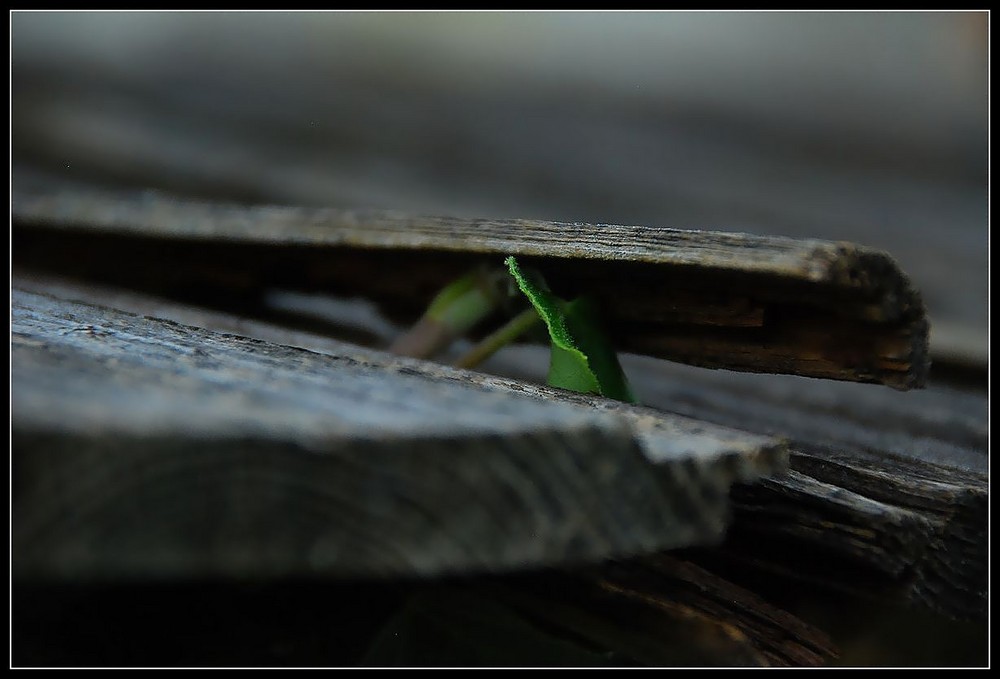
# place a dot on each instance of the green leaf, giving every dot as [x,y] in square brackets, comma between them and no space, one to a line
[583,358]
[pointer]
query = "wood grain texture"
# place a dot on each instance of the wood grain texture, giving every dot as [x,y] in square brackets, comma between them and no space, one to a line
[888,492]
[143,448]
[942,424]
[417,128]
[875,536]
[928,549]
[716,456]
[737,301]
[948,566]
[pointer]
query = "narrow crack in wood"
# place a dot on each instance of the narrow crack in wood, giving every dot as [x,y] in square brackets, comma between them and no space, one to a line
[723,300]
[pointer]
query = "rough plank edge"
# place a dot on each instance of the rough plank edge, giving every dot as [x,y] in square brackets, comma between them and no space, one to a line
[840,266]
[706,483]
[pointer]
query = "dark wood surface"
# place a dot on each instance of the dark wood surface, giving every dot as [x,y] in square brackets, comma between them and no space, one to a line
[736,301]
[890,489]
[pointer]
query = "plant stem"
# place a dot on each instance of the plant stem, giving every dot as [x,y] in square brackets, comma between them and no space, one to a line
[452,313]
[499,338]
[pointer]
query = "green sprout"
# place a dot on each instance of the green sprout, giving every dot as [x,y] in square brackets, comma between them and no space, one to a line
[582,358]
[453,312]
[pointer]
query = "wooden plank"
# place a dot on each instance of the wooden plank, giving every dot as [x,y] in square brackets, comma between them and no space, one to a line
[592,149]
[143,448]
[728,455]
[825,534]
[884,537]
[888,492]
[743,302]
[942,424]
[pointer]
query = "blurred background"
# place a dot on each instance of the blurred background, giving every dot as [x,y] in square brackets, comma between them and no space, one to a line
[862,126]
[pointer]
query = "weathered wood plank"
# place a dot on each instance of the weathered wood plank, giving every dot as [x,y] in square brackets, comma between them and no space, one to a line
[901,478]
[691,455]
[729,454]
[737,301]
[888,494]
[946,543]
[876,535]
[416,128]
[941,424]
[146,448]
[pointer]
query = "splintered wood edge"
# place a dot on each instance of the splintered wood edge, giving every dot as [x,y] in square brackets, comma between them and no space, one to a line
[889,528]
[70,460]
[881,329]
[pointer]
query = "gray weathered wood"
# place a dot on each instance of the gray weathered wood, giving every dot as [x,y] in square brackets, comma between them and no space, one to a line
[942,424]
[147,448]
[728,455]
[877,535]
[737,301]
[601,128]
[889,528]
[885,527]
